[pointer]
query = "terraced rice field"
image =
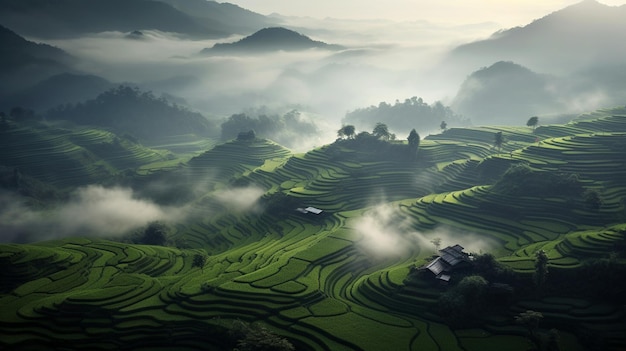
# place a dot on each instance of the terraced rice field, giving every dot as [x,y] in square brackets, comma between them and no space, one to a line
[314,279]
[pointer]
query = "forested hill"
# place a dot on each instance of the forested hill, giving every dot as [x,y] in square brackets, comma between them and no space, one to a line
[70,18]
[140,114]
[24,62]
[270,39]
[506,92]
[404,116]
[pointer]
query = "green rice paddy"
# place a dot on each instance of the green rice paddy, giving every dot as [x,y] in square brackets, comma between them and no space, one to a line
[309,277]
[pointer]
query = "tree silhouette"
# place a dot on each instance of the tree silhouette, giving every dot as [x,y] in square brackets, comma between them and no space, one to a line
[347,131]
[498,140]
[437,243]
[532,122]
[530,319]
[541,268]
[443,126]
[381,131]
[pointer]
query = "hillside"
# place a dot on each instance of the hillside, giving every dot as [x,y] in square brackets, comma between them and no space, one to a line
[140,114]
[268,40]
[60,89]
[24,62]
[226,16]
[346,278]
[506,89]
[73,18]
[67,157]
[578,36]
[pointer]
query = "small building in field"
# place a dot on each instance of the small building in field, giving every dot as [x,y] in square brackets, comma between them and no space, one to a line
[450,259]
[309,209]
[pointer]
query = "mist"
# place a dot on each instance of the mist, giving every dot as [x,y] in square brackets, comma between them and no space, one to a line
[92,211]
[240,199]
[384,61]
[386,232]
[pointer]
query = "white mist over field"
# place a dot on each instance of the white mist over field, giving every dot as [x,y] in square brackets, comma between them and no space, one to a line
[92,211]
[387,232]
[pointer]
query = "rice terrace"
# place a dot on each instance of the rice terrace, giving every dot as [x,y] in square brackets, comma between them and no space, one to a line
[349,274]
[195,175]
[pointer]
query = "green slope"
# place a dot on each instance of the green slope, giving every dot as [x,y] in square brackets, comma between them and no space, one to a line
[310,278]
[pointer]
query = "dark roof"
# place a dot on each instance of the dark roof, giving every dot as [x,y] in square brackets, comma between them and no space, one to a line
[437,266]
[453,255]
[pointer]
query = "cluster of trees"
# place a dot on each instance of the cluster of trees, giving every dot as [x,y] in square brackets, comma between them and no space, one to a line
[405,115]
[284,129]
[521,179]
[140,113]
[378,140]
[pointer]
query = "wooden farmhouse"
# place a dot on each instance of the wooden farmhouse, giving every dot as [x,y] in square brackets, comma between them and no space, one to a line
[451,258]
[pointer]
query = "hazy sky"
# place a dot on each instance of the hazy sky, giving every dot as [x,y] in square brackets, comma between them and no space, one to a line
[508,13]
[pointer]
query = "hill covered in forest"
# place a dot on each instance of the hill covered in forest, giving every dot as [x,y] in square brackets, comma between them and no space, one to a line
[270,40]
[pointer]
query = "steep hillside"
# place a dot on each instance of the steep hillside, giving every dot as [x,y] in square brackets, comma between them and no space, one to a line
[68,157]
[24,62]
[226,16]
[60,89]
[580,35]
[71,18]
[141,114]
[346,278]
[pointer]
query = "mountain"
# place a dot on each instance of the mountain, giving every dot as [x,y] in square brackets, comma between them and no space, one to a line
[141,114]
[59,89]
[24,62]
[505,93]
[69,18]
[270,39]
[226,16]
[583,34]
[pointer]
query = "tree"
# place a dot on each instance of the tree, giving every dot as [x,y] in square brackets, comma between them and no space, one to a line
[530,319]
[443,126]
[381,131]
[462,305]
[414,139]
[198,261]
[348,131]
[592,199]
[532,122]
[498,140]
[154,234]
[246,136]
[541,268]
[437,243]
[414,143]
[257,338]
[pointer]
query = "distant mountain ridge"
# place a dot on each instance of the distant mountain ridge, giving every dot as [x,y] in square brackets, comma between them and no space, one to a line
[24,62]
[226,16]
[69,18]
[271,39]
[505,93]
[591,30]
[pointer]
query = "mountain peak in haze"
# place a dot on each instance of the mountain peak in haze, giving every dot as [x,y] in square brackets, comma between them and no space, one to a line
[576,36]
[505,93]
[271,39]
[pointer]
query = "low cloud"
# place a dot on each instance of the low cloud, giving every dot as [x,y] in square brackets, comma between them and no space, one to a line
[240,199]
[91,211]
[387,232]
